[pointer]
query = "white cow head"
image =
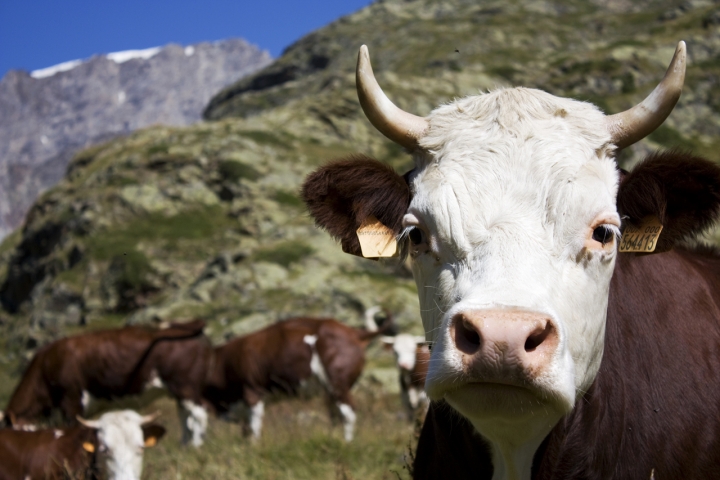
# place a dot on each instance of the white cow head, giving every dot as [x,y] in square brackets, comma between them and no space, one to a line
[511,221]
[122,437]
[404,346]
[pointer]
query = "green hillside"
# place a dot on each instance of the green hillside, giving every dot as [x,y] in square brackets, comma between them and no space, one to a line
[205,221]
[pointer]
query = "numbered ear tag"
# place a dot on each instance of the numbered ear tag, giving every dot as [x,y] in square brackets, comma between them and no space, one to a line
[376,240]
[641,239]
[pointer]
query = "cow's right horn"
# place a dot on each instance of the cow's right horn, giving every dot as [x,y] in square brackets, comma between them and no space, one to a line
[88,423]
[398,125]
[641,120]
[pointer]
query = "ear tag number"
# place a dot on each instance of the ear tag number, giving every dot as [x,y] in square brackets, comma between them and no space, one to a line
[643,238]
[376,240]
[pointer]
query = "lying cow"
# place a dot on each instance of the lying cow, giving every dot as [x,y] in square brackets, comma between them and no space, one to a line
[554,355]
[413,356]
[111,446]
[113,363]
[282,357]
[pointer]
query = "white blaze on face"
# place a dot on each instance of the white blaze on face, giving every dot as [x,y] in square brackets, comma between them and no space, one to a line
[404,347]
[121,444]
[508,190]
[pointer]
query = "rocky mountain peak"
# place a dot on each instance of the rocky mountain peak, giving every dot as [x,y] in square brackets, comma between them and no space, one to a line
[48,114]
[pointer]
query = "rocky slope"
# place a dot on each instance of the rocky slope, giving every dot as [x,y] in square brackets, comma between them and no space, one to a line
[48,114]
[205,220]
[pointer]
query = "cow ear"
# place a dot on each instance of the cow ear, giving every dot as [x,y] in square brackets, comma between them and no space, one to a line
[343,193]
[682,191]
[152,433]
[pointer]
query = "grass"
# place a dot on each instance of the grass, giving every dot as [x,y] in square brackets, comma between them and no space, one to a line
[284,253]
[234,171]
[197,224]
[299,442]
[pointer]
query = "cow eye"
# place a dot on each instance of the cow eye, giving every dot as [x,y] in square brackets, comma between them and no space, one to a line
[416,236]
[603,234]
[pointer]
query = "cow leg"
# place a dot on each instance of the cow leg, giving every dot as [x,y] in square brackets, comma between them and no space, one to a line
[257,412]
[194,422]
[348,417]
[71,404]
[85,401]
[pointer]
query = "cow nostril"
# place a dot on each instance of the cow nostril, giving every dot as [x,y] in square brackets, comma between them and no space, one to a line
[538,336]
[467,338]
[470,334]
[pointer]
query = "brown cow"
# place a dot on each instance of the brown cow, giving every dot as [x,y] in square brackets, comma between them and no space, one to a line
[557,353]
[112,445]
[112,363]
[283,356]
[413,357]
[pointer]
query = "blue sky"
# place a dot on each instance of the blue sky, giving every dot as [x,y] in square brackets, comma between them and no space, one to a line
[39,33]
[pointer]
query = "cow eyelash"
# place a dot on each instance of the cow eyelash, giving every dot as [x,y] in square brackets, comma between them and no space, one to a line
[606,233]
[415,235]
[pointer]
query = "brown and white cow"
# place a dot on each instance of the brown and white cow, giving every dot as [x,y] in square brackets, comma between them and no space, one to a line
[285,355]
[512,217]
[413,358]
[107,364]
[111,446]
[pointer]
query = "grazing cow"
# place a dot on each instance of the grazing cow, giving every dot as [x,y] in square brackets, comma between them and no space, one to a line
[113,363]
[111,445]
[513,217]
[413,356]
[282,357]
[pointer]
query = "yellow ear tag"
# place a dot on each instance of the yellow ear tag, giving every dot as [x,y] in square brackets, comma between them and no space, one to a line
[642,239]
[376,240]
[88,447]
[151,441]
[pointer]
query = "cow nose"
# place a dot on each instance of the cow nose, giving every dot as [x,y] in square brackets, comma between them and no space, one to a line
[505,337]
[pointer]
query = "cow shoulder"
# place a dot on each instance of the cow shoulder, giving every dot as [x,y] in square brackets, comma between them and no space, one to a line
[345,192]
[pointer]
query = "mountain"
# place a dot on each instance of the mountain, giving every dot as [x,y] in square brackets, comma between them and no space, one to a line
[205,220]
[48,114]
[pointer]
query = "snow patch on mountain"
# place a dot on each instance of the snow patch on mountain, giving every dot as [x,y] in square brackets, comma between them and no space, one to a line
[125,55]
[60,67]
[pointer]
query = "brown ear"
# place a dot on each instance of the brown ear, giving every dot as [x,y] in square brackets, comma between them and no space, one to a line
[152,434]
[343,193]
[680,190]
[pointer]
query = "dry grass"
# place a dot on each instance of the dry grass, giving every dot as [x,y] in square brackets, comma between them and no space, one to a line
[299,442]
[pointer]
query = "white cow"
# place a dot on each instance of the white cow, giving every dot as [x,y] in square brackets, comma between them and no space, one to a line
[121,439]
[412,356]
[512,224]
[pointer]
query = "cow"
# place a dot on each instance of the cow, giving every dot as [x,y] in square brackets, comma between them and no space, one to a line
[554,355]
[108,364]
[111,446]
[412,356]
[283,357]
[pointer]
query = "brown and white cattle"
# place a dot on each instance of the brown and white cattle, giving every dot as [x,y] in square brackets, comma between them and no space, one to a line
[108,364]
[285,355]
[513,216]
[413,358]
[111,446]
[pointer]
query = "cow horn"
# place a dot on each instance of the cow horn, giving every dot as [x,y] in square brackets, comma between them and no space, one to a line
[88,423]
[150,418]
[398,125]
[641,120]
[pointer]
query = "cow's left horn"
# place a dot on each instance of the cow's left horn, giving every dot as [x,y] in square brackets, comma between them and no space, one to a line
[398,125]
[641,120]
